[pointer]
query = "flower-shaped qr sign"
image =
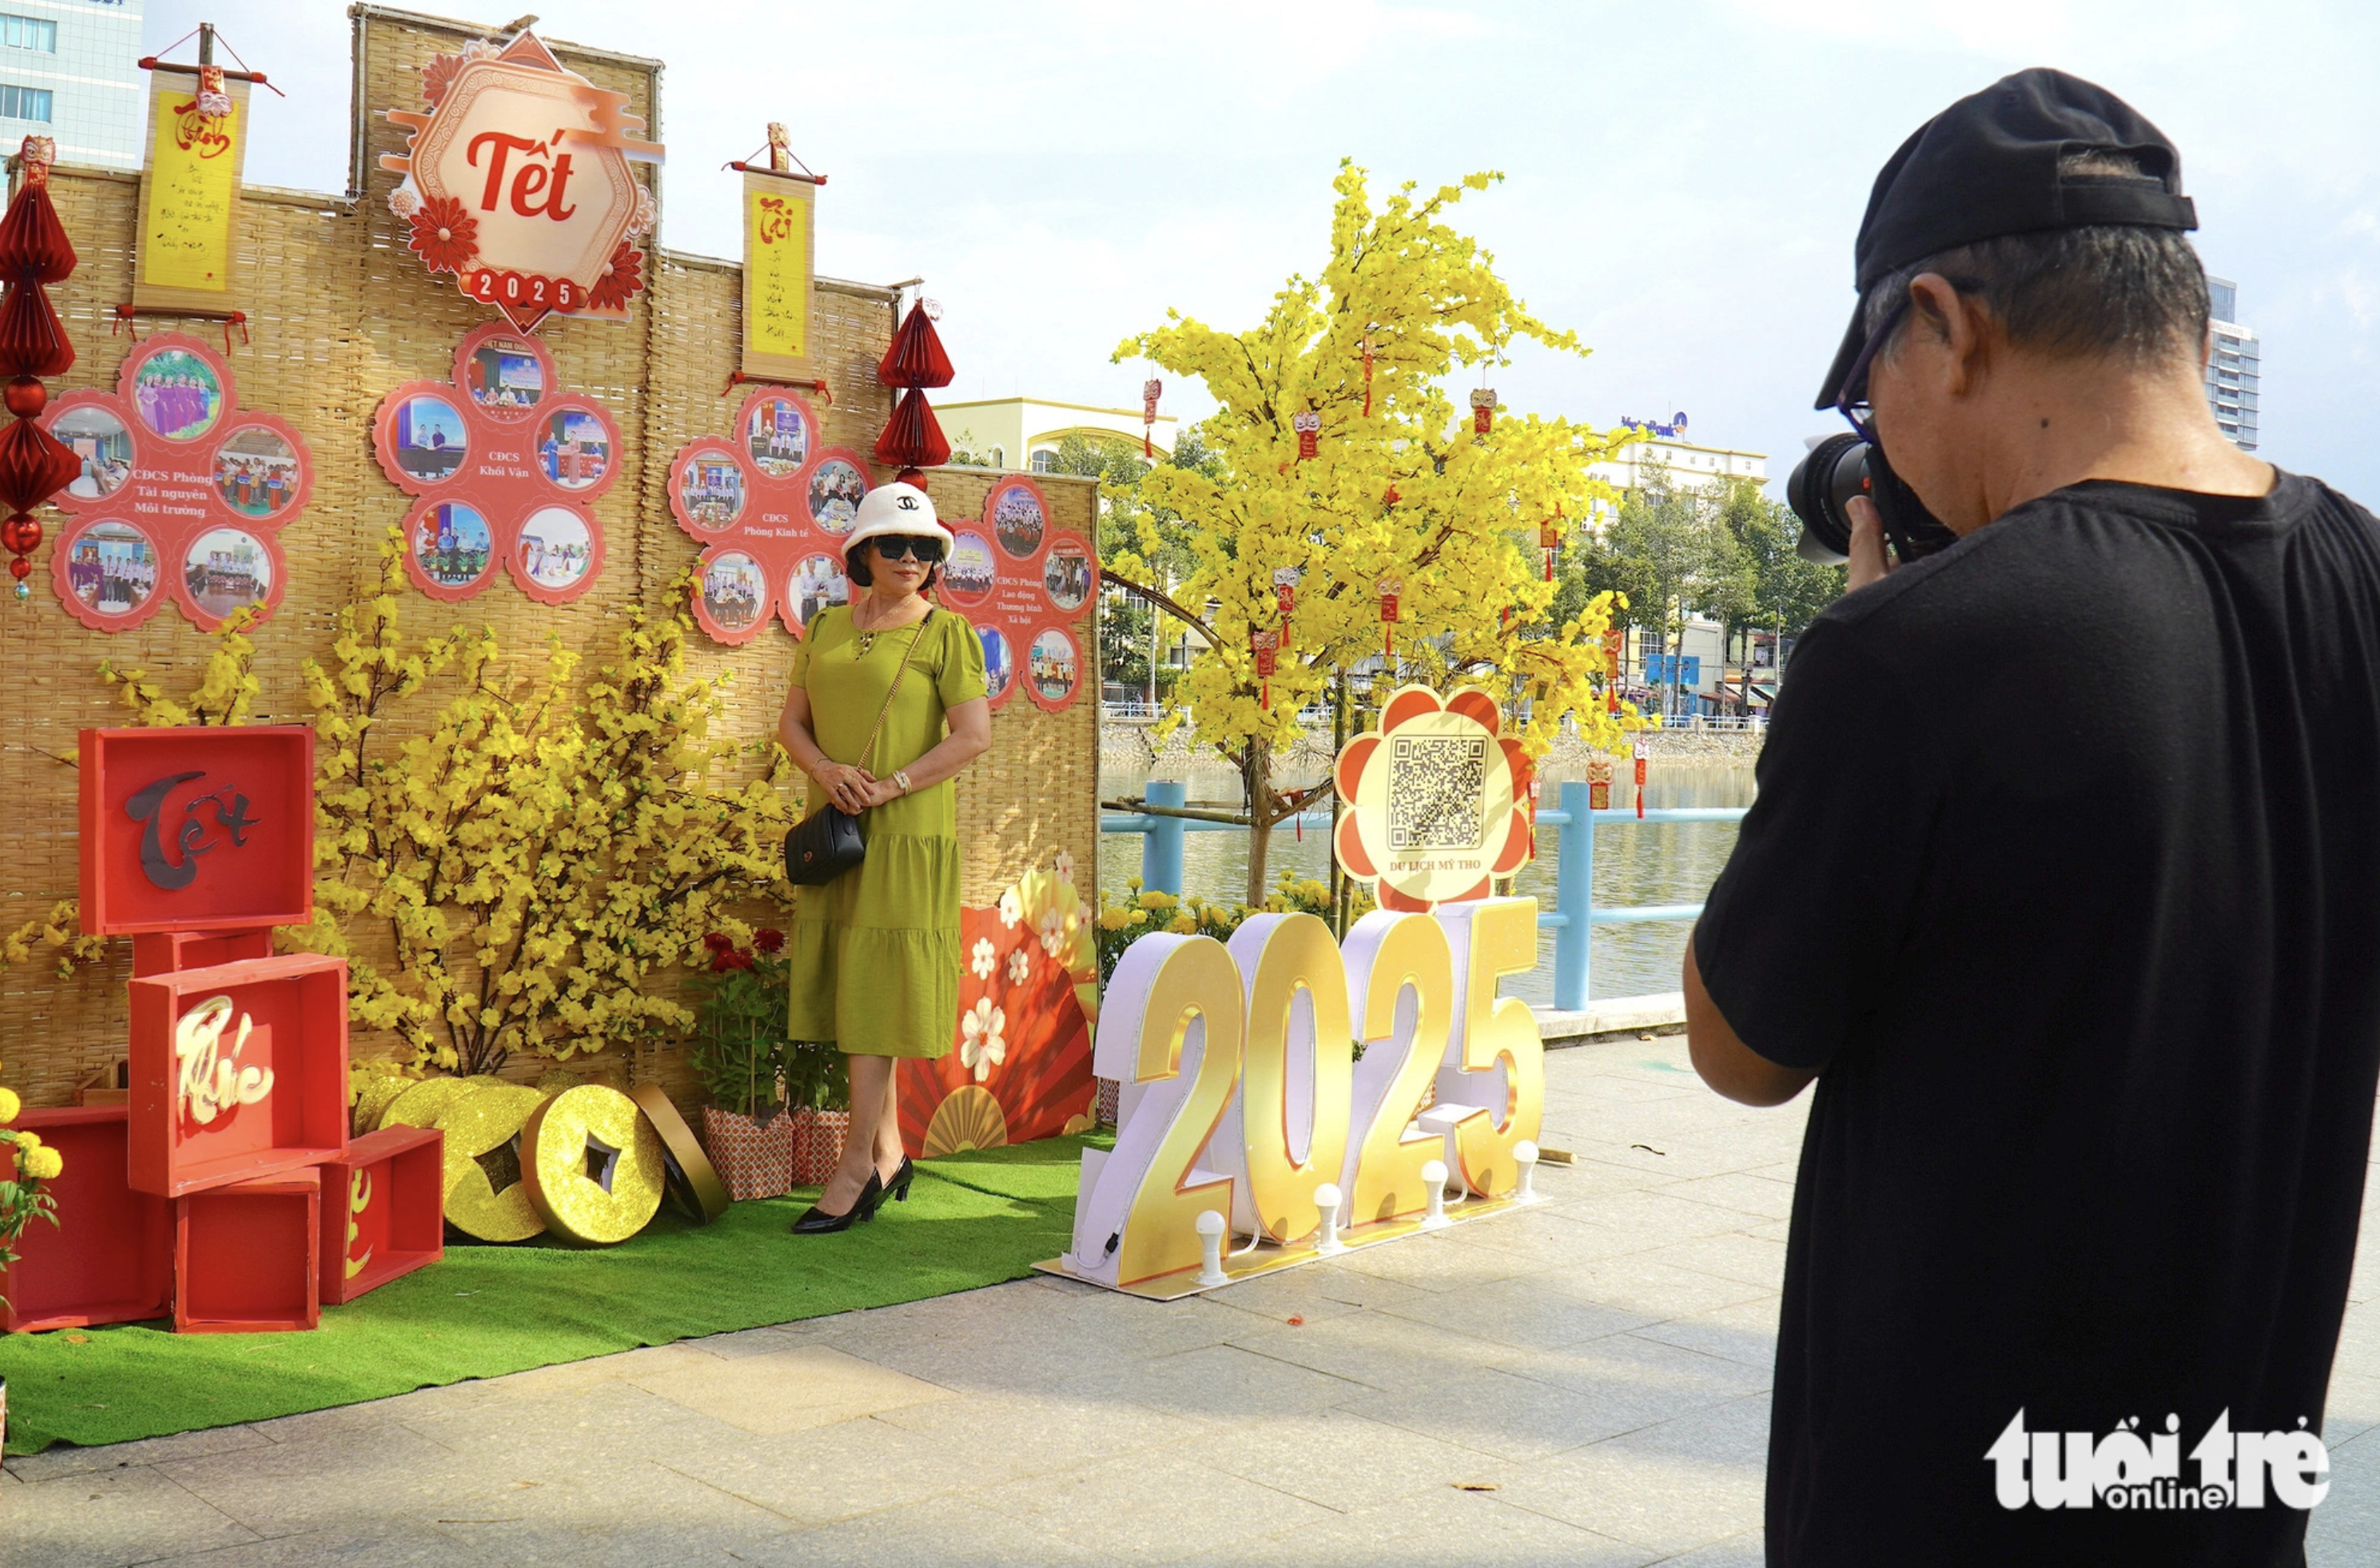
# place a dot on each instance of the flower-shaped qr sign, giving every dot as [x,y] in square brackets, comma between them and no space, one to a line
[1023,586]
[769,506]
[182,495]
[1437,801]
[518,182]
[506,467]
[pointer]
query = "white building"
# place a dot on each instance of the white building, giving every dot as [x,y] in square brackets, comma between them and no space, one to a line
[69,69]
[1688,462]
[2235,371]
[1024,433]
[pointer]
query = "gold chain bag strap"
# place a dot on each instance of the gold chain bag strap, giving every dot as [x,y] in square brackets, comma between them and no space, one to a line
[828,843]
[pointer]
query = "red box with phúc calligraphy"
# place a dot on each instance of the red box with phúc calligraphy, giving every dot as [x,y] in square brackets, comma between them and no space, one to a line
[238,1070]
[245,1256]
[384,1210]
[110,1256]
[199,828]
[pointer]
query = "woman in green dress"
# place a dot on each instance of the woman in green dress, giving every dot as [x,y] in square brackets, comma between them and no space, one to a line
[876,952]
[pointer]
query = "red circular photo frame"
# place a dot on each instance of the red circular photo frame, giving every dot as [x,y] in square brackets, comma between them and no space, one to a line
[1033,688]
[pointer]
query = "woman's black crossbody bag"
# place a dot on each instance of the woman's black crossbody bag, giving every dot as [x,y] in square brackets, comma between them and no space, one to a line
[825,844]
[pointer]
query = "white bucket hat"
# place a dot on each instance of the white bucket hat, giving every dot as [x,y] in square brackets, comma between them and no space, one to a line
[896,508]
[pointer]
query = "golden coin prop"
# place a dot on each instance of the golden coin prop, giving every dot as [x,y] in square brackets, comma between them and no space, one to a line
[373,1103]
[486,1120]
[967,1118]
[420,1104]
[692,1178]
[591,1165]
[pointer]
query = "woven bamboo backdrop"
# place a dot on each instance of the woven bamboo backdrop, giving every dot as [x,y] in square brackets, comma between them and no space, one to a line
[338,312]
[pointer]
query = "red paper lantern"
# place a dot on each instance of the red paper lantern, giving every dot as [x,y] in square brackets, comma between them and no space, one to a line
[913,437]
[34,465]
[917,358]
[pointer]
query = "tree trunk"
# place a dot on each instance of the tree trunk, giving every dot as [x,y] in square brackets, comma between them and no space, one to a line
[1256,775]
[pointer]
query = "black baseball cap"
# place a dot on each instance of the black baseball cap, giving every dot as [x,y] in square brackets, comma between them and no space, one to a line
[1988,166]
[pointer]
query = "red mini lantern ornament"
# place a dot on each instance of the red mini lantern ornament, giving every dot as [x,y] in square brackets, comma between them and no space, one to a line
[1367,346]
[1308,426]
[1549,541]
[34,465]
[1284,593]
[214,102]
[1389,589]
[1266,645]
[1150,391]
[1482,409]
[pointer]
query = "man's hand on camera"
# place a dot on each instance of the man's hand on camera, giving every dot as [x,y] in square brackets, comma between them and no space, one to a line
[1869,558]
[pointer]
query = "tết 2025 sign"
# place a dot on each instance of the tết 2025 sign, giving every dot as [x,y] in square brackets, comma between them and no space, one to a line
[518,182]
[1243,1094]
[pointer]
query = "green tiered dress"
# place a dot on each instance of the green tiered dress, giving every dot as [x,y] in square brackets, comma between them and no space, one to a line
[876,952]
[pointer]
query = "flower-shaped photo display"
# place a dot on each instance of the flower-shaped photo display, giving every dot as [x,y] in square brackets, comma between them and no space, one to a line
[506,466]
[1437,801]
[182,494]
[769,506]
[1025,587]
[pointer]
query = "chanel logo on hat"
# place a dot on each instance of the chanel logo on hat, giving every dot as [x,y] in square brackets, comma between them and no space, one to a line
[906,502]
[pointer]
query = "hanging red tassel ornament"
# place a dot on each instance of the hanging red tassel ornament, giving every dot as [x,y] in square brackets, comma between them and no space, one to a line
[1482,409]
[1549,541]
[214,102]
[1598,783]
[1308,426]
[34,465]
[1389,589]
[1612,642]
[1285,594]
[1367,374]
[1643,748]
[1265,644]
[1150,391]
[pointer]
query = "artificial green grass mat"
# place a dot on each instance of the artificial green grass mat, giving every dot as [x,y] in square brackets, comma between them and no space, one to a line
[971,1220]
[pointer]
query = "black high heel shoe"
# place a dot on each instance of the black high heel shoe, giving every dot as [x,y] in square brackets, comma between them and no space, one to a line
[897,1189]
[817,1221]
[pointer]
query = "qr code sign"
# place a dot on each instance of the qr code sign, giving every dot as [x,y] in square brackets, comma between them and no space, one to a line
[1437,784]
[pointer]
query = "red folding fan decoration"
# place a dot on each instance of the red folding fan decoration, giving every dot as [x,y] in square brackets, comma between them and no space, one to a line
[34,465]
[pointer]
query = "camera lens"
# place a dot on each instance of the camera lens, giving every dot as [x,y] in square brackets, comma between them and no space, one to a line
[1820,488]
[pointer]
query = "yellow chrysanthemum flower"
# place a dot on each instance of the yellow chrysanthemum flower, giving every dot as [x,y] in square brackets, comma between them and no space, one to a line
[42,1164]
[9,1105]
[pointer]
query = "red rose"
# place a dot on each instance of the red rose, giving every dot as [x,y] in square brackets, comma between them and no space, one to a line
[769,939]
[716,943]
[728,958]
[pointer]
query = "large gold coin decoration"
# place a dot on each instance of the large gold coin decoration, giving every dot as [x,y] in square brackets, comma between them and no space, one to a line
[693,1180]
[482,1126]
[591,1165]
[373,1101]
[420,1103]
[967,1118]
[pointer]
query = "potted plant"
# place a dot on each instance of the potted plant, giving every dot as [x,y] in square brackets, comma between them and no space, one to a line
[818,1099]
[25,1164]
[739,1054]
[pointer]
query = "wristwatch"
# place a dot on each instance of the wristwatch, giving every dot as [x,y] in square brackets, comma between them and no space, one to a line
[900,777]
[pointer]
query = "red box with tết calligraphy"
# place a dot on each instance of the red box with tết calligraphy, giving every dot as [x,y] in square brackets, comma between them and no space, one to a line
[384,1210]
[198,828]
[238,1070]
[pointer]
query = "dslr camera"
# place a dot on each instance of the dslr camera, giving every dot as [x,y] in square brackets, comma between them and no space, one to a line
[1821,490]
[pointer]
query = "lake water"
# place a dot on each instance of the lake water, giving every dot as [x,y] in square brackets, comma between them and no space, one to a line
[1651,864]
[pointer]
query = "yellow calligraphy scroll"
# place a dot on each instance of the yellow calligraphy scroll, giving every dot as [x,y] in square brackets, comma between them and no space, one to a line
[190,198]
[778,211]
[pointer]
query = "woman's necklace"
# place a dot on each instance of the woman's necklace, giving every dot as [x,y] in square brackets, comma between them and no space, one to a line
[867,637]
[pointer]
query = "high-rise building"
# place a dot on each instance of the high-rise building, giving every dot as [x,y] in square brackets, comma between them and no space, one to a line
[2235,367]
[69,69]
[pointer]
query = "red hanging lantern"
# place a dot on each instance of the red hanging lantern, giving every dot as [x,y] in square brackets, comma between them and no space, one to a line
[1549,541]
[1265,643]
[917,358]
[1482,409]
[1285,594]
[1389,590]
[1308,426]
[1150,391]
[34,465]
[913,437]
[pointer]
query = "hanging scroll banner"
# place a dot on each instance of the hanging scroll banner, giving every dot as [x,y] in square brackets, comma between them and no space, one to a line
[186,257]
[779,222]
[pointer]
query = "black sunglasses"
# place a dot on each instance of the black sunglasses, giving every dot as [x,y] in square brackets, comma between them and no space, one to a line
[902,546]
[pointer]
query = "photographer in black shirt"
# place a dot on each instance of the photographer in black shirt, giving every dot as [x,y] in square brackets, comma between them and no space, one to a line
[2063,884]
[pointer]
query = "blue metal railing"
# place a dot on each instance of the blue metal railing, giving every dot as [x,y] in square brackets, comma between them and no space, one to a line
[1571,919]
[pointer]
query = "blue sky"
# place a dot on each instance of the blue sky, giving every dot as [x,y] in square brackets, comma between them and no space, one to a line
[1683,181]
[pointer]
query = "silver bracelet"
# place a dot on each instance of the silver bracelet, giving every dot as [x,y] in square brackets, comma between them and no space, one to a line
[900,777]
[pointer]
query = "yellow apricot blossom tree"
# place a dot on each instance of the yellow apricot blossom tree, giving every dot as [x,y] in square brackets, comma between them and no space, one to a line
[1397,496]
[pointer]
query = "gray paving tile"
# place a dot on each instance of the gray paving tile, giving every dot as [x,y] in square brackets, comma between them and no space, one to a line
[105,1518]
[1340,1460]
[1379,1350]
[829,1473]
[1743,1191]
[1036,1433]
[345,1481]
[1521,1313]
[1757,1260]
[65,1459]
[633,1513]
[1432,1529]
[1642,1283]
[1746,1332]
[1219,1383]
[945,1532]
[382,1548]
[1672,1488]
[1138,1513]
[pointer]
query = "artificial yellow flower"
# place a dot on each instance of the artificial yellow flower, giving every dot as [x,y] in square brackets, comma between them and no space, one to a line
[42,1164]
[9,1105]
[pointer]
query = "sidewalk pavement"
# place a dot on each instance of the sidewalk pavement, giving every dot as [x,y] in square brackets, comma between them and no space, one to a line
[1597,1367]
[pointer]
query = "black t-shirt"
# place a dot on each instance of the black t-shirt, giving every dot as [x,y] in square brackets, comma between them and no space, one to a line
[2065,868]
